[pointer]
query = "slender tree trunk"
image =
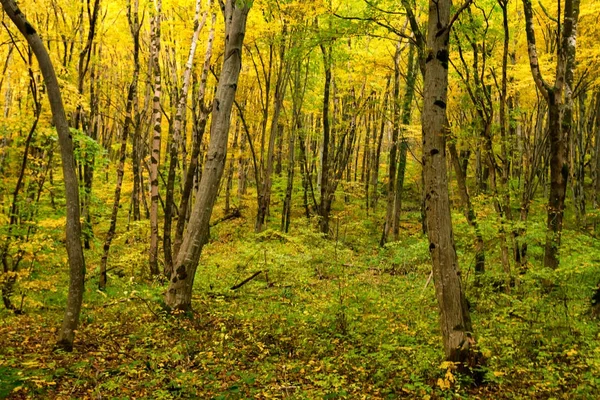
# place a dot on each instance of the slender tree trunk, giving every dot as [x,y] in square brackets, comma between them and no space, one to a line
[242,169]
[297,132]
[375,170]
[287,202]
[411,80]
[468,210]
[179,293]
[200,120]
[264,191]
[387,227]
[178,123]
[596,164]
[229,180]
[560,115]
[156,135]
[326,197]
[90,128]
[399,187]
[136,160]
[73,226]
[134,25]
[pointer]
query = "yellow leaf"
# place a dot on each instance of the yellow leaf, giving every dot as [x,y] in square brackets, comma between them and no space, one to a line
[443,384]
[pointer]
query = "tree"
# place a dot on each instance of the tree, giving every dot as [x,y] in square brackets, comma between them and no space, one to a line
[179,293]
[156,132]
[178,122]
[73,226]
[559,98]
[134,26]
[455,320]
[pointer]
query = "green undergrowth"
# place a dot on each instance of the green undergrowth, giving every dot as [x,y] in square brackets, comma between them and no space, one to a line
[324,319]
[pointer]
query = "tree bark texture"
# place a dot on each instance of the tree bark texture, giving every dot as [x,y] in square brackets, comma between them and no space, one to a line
[73,227]
[179,293]
[455,320]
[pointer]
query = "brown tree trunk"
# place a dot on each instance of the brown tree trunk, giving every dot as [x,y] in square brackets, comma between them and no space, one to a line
[468,210]
[134,25]
[407,101]
[199,128]
[264,189]
[73,226]
[377,158]
[596,164]
[455,320]
[326,197]
[389,218]
[560,115]
[179,293]
[178,123]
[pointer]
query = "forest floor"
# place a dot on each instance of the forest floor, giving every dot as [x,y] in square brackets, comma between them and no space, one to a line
[325,318]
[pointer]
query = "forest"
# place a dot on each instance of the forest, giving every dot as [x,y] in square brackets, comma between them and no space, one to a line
[325,199]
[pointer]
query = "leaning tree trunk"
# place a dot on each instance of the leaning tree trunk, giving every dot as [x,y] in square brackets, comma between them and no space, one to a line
[73,226]
[179,294]
[200,120]
[455,320]
[178,123]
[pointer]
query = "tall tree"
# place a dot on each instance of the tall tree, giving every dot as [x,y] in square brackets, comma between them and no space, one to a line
[559,98]
[73,226]
[179,293]
[134,26]
[200,117]
[455,319]
[156,133]
[178,123]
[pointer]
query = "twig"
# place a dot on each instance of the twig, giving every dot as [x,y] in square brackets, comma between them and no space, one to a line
[427,283]
[235,213]
[239,285]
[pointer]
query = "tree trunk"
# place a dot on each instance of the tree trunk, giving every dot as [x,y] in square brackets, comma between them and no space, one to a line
[411,80]
[264,189]
[179,293]
[134,25]
[560,115]
[178,123]
[156,136]
[377,158]
[455,320]
[200,120]
[73,226]
[387,227]
[468,210]
[596,164]
[326,200]
[287,202]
